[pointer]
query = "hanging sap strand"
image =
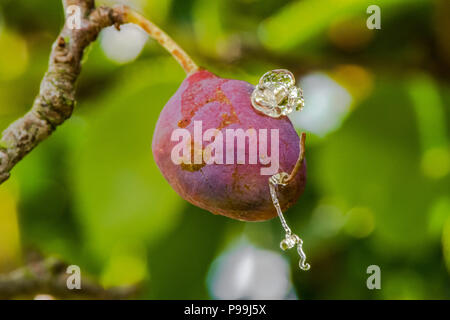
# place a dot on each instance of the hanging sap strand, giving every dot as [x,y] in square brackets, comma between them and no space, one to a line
[276,95]
[290,239]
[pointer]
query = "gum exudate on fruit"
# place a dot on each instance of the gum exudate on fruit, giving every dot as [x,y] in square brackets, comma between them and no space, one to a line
[236,190]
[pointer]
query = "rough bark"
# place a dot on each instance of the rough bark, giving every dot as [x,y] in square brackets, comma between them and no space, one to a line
[49,277]
[56,99]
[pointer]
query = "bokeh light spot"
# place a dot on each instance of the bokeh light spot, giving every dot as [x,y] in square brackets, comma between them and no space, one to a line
[127,266]
[9,230]
[356,79]
[326,104]
[125,45]
[350,34]
[360,222]
[14,59]
[246,272]
[436,162]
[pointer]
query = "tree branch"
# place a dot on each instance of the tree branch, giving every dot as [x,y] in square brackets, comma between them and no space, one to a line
[49,277]
[56,99]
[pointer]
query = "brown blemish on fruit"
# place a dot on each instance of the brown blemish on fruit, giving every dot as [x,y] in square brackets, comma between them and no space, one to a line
[183,123]
[228,119]
[219,96]
[235,178]
[192,166]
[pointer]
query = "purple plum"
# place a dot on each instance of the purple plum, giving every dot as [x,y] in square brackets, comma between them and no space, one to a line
[226,186]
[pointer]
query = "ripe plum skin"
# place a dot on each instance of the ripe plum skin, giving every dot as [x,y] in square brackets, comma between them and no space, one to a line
[237,191]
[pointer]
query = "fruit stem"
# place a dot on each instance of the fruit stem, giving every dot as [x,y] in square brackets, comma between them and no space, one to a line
[164,40]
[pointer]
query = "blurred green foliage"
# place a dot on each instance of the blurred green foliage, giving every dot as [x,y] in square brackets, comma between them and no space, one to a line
[378,185]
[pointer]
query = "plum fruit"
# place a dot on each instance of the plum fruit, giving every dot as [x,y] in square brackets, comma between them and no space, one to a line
[236,189]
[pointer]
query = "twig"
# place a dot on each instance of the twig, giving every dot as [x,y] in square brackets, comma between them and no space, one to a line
[56,98]
[164,40]
[49,277]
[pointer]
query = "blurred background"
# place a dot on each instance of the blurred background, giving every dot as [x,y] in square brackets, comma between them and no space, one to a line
[377,118]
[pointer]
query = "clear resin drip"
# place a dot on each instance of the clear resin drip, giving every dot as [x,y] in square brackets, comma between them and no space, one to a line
[276,95]
[290,239]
